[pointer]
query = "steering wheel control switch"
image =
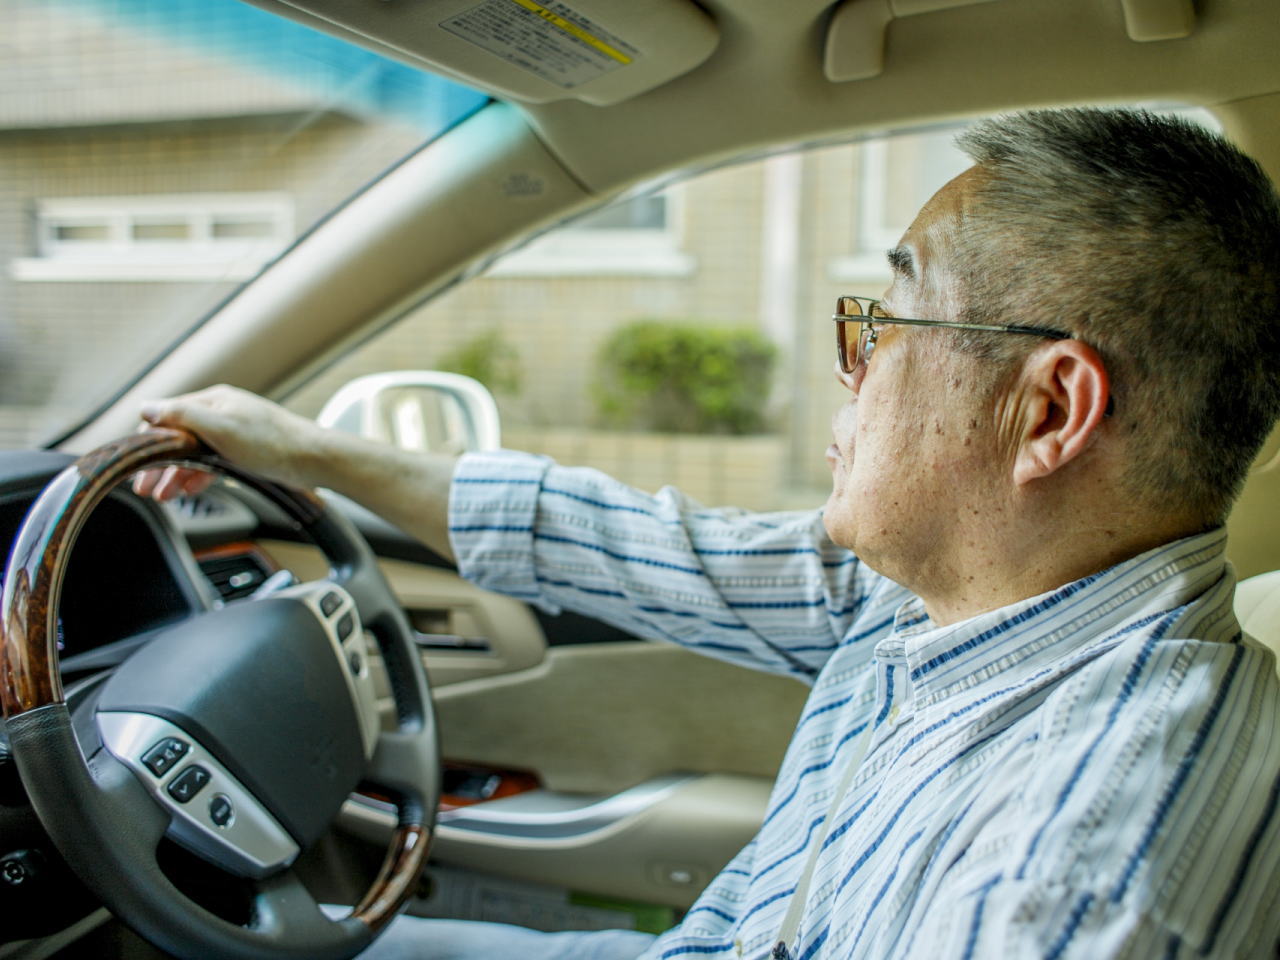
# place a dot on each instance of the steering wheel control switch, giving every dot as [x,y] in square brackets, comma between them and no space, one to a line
[329,603]
[188,783]
[337,612]
[232,828]
[161,758]
[221,811]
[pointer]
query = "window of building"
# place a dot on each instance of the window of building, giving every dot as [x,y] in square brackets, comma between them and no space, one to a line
[896,175]
[637,237]
[175,237]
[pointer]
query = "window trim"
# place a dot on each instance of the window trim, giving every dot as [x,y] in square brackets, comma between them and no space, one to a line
[572,251]
[122,257]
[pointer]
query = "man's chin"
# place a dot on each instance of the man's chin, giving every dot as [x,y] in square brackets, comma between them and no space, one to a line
[837,522]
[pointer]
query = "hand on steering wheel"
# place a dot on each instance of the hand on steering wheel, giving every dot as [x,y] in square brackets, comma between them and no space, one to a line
[238,732]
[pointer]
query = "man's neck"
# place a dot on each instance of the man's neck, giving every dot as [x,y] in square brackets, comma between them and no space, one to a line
[1027,560]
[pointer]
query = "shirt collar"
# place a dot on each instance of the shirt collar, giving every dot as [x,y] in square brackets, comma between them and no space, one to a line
[1028,636]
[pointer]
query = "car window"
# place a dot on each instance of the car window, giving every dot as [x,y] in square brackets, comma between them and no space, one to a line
[155,155]
[682,337]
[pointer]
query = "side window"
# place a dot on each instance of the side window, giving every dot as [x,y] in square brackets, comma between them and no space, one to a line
[683,337]
[895,176]
[637,237]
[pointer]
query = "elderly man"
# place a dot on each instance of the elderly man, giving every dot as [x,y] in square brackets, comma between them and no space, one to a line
[1035,727]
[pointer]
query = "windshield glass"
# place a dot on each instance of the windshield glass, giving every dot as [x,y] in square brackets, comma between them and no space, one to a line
[155,155]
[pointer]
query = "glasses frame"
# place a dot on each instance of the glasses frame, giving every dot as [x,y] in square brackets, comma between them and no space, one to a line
[867,333]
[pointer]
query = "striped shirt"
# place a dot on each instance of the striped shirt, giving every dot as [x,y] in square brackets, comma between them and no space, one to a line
[1090,772]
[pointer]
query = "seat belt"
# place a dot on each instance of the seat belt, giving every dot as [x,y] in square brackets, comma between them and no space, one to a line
[795,909]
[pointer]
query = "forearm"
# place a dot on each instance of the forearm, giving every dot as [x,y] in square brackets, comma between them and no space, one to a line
[409,489]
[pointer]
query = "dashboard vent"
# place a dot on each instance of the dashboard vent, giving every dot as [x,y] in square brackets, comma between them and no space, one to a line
[235,576]
[198,506]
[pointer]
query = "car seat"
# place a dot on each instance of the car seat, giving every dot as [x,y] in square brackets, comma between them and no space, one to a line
[1258,609]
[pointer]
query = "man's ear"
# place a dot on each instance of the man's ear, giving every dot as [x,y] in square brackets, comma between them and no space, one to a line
[1065,395]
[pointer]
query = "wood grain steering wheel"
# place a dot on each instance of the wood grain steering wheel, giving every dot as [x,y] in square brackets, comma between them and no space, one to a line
[238,733]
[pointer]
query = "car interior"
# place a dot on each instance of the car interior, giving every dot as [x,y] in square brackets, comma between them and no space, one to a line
[586,777]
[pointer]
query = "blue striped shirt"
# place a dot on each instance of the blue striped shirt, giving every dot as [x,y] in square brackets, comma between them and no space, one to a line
[1091,772]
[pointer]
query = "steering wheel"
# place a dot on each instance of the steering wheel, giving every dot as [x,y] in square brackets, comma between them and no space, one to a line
[238,733]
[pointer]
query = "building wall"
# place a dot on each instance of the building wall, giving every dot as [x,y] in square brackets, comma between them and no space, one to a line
[557,323]
[64,343]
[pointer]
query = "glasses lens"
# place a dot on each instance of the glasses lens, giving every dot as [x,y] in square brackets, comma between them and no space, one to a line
[852,306]
[851,335]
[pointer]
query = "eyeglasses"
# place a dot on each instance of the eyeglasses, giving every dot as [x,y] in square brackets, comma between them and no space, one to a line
[858,319]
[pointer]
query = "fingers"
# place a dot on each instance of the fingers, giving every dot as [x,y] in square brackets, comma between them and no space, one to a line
[178,482]
[170,482]
[255,433]
[194,412]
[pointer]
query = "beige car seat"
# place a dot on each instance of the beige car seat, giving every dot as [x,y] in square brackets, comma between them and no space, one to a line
[1258,609]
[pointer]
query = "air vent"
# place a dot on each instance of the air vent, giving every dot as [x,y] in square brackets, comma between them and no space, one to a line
[235,576]
[198,506]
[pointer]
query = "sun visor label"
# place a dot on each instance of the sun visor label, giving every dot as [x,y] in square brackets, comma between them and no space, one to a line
[550,39]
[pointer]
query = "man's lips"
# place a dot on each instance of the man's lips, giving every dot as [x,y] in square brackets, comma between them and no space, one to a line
[833,456]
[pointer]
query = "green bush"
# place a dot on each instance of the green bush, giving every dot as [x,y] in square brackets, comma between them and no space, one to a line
[684,378]
[488,357]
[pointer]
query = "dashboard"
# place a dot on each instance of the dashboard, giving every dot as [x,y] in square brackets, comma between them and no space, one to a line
[138,566]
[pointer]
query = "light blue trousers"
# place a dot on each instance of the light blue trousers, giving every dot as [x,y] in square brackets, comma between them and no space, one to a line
[412,938]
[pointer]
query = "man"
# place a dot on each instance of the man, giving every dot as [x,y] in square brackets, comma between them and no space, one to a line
[1035,728]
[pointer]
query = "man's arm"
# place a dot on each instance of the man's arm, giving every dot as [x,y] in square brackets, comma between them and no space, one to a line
[766,591]
[410,490]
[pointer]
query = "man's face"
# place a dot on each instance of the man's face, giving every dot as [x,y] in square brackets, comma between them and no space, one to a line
[914,452]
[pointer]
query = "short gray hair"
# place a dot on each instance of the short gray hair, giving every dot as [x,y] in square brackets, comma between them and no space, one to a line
[1158,243]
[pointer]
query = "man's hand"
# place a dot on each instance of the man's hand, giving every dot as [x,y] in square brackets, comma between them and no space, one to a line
[410,490]
[257,434]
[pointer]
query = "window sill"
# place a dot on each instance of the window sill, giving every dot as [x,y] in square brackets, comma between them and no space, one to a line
[58,270]
[597,263]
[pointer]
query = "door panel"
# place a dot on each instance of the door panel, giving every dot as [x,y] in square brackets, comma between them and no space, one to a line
[655,764]
[466,632]
[664,850]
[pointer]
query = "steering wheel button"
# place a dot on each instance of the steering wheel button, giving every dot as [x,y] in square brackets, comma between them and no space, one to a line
[188,783]
[345,626]
[161,758]
[329,603]
[221,812]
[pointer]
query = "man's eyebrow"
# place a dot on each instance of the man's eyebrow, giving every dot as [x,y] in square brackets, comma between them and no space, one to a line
[901,262]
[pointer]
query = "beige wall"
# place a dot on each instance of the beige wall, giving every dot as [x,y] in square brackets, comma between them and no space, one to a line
[99,330]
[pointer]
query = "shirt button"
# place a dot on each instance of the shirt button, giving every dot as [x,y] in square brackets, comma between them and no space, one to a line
[893,714]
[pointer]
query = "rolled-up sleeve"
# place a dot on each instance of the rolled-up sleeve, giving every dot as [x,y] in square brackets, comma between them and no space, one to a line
[769,591]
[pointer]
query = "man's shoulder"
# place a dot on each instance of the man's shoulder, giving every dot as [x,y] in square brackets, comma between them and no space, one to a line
[1158,773]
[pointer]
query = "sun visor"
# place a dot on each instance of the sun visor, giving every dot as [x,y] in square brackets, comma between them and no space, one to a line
[598,51]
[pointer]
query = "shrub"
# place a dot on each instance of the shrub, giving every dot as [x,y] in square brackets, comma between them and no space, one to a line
[685,377]
[488,357]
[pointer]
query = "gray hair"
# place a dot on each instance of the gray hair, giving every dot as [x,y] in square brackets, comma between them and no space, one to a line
[1158,243]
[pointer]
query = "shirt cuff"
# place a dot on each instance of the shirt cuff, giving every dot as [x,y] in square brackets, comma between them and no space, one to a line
[493,505]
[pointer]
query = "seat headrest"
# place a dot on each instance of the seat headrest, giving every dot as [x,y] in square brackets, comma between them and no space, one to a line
[1258,609]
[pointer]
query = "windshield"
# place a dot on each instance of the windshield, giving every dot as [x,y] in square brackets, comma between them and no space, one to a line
[154,156]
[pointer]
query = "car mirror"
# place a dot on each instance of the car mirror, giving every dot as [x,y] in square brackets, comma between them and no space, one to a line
[417,410]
